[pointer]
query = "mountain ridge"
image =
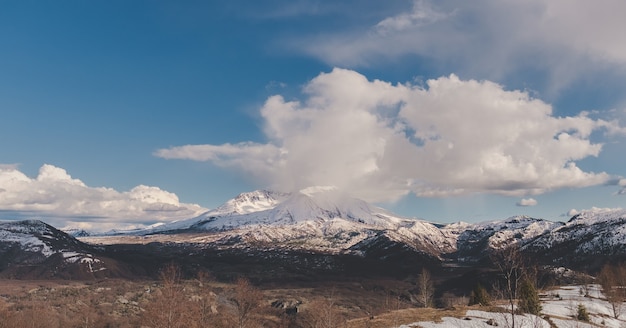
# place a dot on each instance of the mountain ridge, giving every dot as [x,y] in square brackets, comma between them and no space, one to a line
[317,230]
[324,220]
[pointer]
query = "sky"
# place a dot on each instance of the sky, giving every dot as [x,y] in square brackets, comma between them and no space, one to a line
[119,114]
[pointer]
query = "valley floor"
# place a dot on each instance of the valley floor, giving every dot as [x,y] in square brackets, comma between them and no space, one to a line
[204,302]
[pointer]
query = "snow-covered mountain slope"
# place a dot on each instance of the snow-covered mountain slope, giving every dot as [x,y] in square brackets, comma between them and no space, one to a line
[250,202]
[244,203]
[33,243]
[594,234]
[473,241]
[302,208]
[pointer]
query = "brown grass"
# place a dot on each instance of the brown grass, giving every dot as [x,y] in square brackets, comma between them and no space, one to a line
[405,316]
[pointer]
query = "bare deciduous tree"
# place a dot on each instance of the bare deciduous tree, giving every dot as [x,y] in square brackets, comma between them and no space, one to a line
[613,282]
[510,264]
[205,306]
[425,289]
[246,300]
[168,307]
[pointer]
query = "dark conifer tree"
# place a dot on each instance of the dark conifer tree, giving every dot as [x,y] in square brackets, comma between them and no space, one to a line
[529,298]
[479,296]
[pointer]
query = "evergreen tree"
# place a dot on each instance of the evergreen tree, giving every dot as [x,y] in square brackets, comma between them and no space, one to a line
[529,298]
[479,296]
[582,313]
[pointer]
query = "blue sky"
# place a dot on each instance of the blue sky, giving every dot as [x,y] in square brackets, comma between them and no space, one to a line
[441,110]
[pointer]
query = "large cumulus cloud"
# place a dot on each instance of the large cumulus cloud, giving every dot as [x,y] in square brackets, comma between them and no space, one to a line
[68,202]
[380,141]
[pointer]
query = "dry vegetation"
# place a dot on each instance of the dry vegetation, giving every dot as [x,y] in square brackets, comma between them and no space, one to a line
[398,317]
[203,302]
[612,278]
[69,304]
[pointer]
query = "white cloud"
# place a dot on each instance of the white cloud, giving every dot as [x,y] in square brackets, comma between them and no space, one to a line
[526,202]
[489,38]
[381,141]
[594,210]
[622,185]
[572,212]
[254,158]
[63,199]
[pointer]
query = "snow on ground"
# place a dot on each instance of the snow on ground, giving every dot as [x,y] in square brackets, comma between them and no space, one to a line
[560,305]
[563,303]
[480,319]
[93,263]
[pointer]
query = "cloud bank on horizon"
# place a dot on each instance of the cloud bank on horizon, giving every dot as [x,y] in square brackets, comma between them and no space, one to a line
[381,141]
[69,203]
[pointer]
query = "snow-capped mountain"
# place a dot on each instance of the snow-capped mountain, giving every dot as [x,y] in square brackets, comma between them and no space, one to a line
[250,202]
[315,219]
[315,230]
[324,220]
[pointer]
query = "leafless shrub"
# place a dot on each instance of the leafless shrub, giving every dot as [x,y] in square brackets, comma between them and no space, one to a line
[323,313]
[245,302]
[168,308]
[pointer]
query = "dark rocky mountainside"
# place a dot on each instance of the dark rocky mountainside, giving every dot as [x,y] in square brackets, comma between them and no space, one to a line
[32,249]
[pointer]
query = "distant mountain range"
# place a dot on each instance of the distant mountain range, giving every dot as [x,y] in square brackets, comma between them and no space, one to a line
[331,230]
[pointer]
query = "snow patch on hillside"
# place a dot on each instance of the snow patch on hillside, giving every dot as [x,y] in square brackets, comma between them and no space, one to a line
[22,233]
[36,237]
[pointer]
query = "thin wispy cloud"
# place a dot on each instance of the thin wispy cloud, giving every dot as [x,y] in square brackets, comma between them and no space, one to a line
[566,40]
[381,141]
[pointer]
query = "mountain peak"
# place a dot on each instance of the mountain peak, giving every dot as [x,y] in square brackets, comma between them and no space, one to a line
[265,207]
[250,202]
